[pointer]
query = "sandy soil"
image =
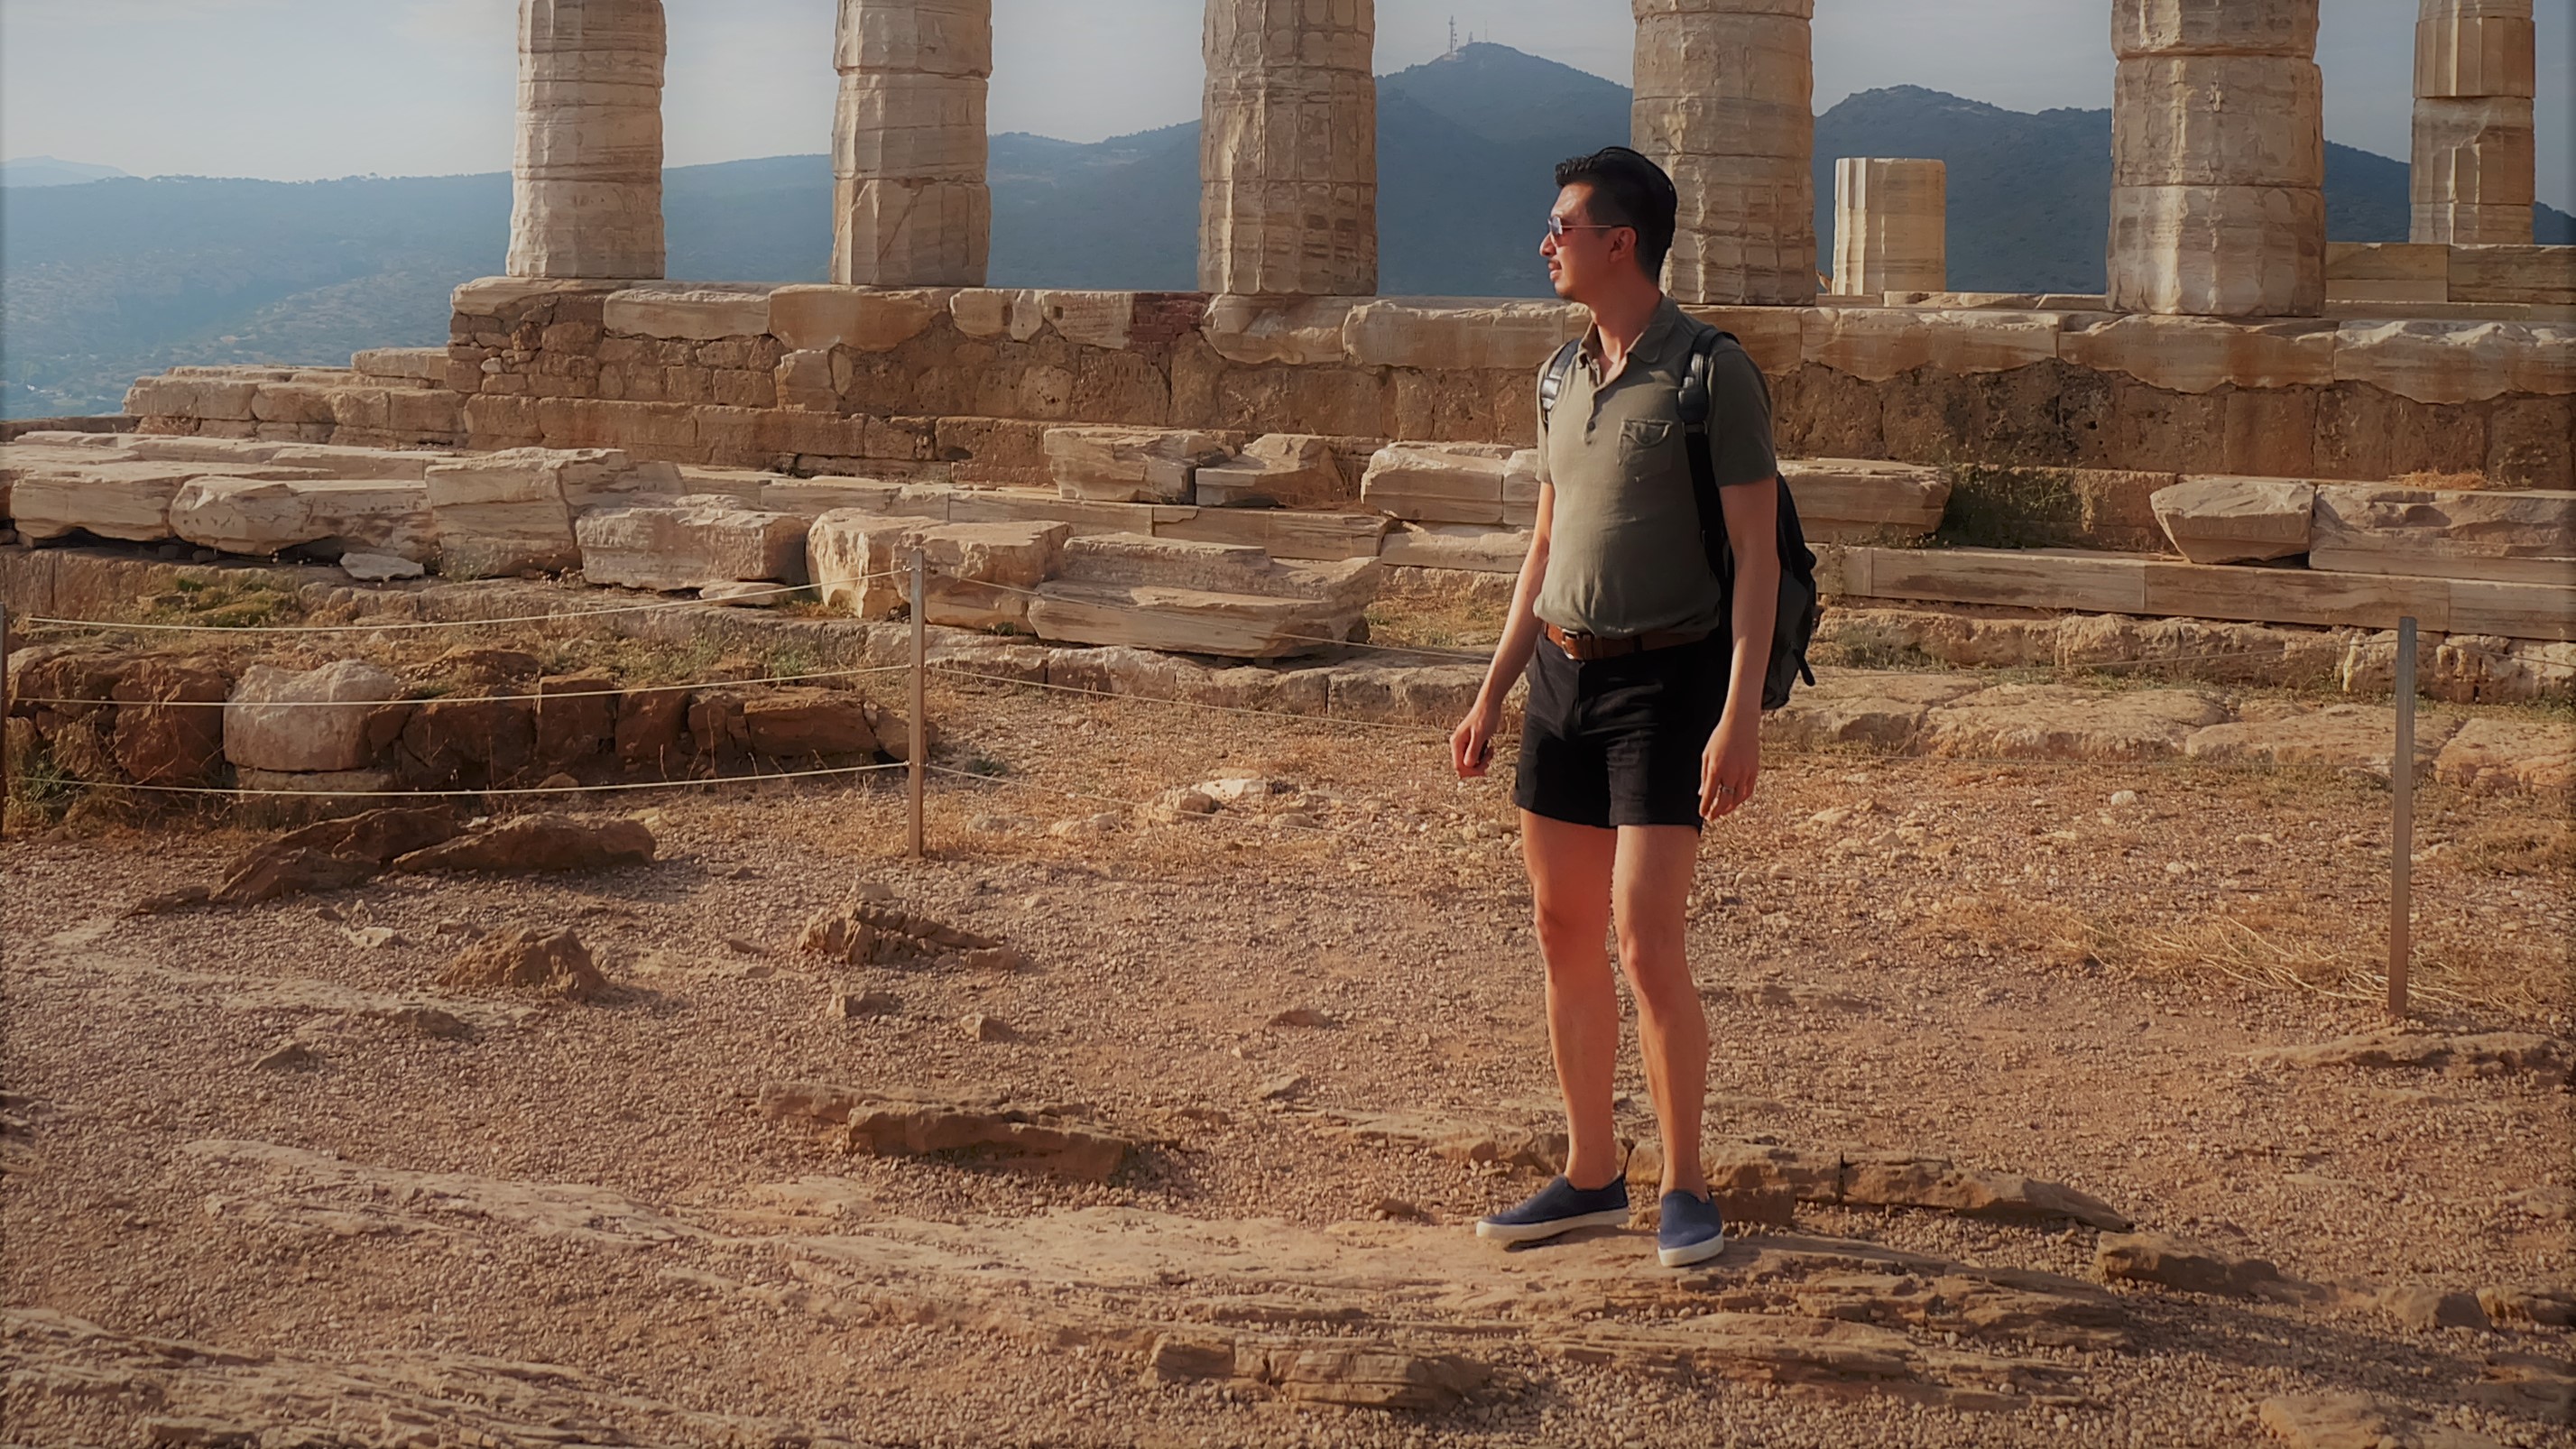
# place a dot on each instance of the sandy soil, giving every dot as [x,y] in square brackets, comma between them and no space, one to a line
[1987,963]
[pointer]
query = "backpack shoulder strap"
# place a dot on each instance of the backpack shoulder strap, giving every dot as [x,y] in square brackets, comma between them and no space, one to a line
[1695,405]
[1551,384]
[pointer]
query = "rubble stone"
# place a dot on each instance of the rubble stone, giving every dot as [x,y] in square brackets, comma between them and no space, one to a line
[690,543]
[893,1123]
[524,959]
[2237,520]
[1130,465]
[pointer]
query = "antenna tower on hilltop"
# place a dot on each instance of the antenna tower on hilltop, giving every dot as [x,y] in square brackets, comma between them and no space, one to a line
[1453,35]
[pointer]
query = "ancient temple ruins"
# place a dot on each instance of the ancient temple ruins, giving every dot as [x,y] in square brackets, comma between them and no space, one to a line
[2242,390]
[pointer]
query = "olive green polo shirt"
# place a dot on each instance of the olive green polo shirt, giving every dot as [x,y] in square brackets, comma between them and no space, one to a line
[1624,553]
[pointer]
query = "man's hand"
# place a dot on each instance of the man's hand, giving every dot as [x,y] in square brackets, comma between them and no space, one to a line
[1471,745]
[1730,765]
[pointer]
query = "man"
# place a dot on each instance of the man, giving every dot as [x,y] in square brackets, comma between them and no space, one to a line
[1644,705]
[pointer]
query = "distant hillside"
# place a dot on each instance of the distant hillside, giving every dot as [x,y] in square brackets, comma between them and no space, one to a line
[114,278]
[52,171]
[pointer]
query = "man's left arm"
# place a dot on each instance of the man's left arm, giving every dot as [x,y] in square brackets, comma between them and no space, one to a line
[1747,474]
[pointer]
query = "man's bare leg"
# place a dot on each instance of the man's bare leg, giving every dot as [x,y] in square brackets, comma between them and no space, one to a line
[1650,891]
[1571,871]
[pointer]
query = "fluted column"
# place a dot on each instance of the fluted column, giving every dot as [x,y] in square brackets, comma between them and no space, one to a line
[910,204]
[1726,102]
[1288,149]
[1891,226]
[2475,157]
[2218,158]
[587,181]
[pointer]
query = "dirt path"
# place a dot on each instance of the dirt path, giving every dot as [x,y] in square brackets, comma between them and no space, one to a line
[1307,1015]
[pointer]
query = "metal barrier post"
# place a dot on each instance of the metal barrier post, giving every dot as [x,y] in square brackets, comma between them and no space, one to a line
[4,718]
[918,746]
[2401,835]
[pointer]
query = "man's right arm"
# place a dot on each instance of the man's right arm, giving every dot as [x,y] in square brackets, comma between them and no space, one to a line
[1471,744]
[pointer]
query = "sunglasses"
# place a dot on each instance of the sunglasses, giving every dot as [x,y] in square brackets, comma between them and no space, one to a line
[1558,226]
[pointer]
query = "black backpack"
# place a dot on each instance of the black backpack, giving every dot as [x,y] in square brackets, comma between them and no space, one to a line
[1801,608]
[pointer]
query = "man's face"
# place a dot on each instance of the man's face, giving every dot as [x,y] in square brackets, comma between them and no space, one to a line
[1579,261]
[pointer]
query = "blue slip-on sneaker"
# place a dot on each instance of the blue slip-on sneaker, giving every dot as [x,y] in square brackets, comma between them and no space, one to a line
[1559,1207]
[1692,1231]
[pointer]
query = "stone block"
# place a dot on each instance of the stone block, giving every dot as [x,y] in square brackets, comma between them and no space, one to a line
[504,513]
[693,314]
[1130,465]
[2541,276]
[1133,560]
[1846,500]
[982,574]
[1093,319]
[2503,537]
[1516,336]
[2217,520]
[2388,271]
[1438,482]
[855,560]
[814,497]
[332,516]
[1277,470]
[307,721]
[1465,546]
[1279,532]
[204,398]
[424,365]
[2219,121]
[690,543]
[1301,331]
[1875,343]
[2457,362]
[2200,27]
[1891,225]
[820,318]
[2219,251]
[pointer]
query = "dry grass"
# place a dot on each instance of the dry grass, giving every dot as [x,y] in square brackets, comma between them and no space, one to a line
[2516,847]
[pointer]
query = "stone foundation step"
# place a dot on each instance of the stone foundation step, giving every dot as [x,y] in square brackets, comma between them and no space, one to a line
[2146,585]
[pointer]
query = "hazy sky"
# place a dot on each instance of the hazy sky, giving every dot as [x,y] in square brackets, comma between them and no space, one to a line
[298,89]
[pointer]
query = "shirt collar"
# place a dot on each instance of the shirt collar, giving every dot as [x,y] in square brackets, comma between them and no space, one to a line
[1659,329]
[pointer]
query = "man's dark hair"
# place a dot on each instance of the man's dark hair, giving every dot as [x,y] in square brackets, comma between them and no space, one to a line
[1628,190]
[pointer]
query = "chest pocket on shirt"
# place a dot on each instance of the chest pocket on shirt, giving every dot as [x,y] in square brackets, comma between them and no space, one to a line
[1646,437]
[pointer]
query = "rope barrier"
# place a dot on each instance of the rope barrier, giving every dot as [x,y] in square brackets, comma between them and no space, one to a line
[496,792]
[1314,719]
[473,698]
[410,625]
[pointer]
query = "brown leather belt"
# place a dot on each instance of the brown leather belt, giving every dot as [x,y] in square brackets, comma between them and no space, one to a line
[1588,647]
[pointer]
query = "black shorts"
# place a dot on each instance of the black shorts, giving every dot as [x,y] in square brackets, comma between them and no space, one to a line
[1614,742]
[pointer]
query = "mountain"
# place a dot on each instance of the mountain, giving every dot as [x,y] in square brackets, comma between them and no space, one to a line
[52,171]
[118,277]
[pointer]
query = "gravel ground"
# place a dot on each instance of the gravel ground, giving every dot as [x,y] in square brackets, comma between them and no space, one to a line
[2057,970]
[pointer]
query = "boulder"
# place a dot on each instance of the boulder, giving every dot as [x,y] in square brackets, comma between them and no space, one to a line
[2530,1307]
[1130,465]
[2170,1262]
[380,836]
[328,515]
[798,724]
[2237,520]
[1439,482]
[169,721]
[2062,722]
[520,959]
[576,718]
[534,843]
[2424,1309]
[2358,738]
[979,573]
[120,500]
[690,543]
[316,720]
[893,1123]
[379,568]
[273,871]
[861,932]
[2501,536]
[856,559]
[511,512]
[1277,470]
[1868,710]
[2490,753]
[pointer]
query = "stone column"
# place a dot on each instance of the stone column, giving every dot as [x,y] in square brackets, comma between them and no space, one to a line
[910,207]
[1288,149]
[1726,103]
[2475,164]
[587,182]
[1891,226]
[2218,159]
